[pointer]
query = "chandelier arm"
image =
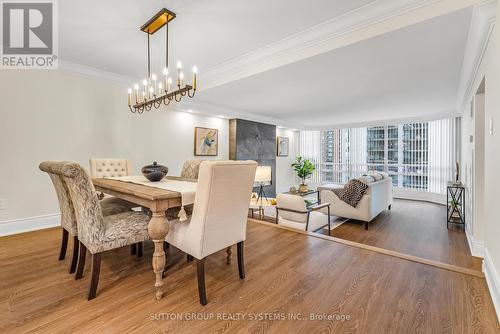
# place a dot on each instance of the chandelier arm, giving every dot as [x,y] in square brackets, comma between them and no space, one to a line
[132,109]
[180,97]
[189,93]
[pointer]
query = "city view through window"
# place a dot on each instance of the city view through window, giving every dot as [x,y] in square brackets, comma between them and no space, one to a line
[400,150]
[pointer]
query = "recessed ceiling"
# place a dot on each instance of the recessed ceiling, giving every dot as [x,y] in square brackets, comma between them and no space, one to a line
[407,73]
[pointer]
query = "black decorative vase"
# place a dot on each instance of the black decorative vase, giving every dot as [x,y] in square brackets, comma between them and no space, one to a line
[154,172]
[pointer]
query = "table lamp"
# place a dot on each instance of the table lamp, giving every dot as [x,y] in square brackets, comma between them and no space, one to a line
[263,177]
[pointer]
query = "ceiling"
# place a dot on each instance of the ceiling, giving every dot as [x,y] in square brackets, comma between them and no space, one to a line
[204,33]
[408,73]
[413,71]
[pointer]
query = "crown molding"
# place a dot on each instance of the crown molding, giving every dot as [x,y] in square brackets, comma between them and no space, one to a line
[213,110]
[91,72]
[367,21]
[388,121]
[481,28]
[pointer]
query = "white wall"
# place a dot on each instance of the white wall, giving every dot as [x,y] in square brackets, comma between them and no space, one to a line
[52,115]
[472,167]
[492,169]
[490,70]
[285,176]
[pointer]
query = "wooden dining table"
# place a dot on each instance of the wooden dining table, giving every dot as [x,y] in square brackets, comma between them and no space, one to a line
[158,201]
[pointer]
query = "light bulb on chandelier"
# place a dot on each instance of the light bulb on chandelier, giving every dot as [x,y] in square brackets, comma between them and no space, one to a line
[157,92]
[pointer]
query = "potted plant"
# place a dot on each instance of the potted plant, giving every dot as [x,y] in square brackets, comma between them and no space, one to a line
[303,168]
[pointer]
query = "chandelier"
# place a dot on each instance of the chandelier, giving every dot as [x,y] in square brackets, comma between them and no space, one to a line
[156,91]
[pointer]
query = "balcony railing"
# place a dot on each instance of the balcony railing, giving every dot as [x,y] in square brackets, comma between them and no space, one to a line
[412,176]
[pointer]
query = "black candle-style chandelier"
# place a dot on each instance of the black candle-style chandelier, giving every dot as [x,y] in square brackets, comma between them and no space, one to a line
[157,92]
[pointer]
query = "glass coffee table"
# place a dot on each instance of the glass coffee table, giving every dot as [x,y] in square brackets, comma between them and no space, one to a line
[307,193]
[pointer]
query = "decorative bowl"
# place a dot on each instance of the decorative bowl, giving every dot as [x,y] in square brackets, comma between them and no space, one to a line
[154,172]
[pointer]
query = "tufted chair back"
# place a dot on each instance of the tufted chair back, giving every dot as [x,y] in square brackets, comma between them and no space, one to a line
[87,208]
[68,219]
[191,169]
[100,168]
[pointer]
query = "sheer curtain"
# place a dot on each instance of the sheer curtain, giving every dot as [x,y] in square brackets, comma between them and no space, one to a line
[357,151]
[310,148]
[442,141]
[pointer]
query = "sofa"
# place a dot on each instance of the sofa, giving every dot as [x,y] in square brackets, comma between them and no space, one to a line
[377,198]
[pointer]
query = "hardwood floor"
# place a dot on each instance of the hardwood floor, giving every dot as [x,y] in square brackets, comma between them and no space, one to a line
[287,274]
[414,228]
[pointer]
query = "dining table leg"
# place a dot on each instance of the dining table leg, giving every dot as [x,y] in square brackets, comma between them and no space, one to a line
[158,229]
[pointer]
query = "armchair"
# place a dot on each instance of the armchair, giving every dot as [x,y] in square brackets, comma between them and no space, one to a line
[291,211]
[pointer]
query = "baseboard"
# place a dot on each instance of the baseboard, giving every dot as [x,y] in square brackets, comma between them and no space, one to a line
[492,280]
[419,195]
[476,247]
[15,226]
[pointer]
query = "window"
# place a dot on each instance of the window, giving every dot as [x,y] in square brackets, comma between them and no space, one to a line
[408,152]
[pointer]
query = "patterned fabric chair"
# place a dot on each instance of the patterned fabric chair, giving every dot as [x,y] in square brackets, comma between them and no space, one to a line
[68,219]
[291,211]
[98,233]
[105,167]
[212,227]
[190,169]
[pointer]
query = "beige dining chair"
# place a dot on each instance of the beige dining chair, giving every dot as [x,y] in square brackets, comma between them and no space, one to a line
[292,212]
[104,167]
[219,215]
[98,233]
[68,219]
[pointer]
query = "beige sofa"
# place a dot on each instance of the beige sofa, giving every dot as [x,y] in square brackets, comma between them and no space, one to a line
[377,198]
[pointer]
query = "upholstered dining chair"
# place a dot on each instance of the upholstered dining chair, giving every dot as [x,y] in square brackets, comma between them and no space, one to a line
[191,168]
[104,167]
[68,219]
[219,215]
[292,212]
[98,233]
[112,167]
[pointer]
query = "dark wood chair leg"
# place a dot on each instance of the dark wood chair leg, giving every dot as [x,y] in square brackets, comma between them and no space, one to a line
[241,259]
[96,269]
[82,253]
[139,249]
[390,205]
[201,281]
[366,225]
[189,258]
[74,259]
[229,257]
[133,249]
[64,245]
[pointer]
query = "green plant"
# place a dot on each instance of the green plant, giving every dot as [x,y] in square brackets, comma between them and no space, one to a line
[303,168]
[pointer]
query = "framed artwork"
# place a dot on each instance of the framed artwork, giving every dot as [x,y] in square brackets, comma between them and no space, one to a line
[282,146]
[206,142]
